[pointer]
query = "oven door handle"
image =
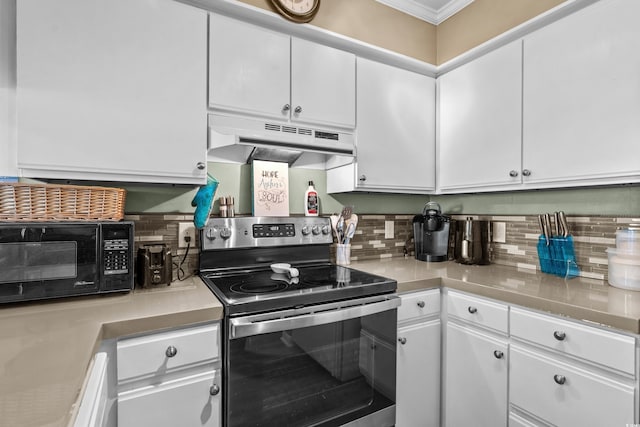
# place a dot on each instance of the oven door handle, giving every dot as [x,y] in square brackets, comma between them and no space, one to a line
[310,316]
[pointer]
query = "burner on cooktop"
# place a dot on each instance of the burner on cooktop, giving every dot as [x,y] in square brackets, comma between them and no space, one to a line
[258,287]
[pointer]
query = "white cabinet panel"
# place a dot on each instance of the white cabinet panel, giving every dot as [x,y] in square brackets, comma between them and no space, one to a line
[258,72]
[249,68]
[418,375]
[185,402]
[112,90]
[582,97]
[478,311]
[609,349]
[480,107]
[566,395]
[395,136]
[475,377]
[323,85]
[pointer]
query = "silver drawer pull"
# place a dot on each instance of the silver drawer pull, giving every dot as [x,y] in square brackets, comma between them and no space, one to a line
[402,340]
[498,354]
[171,351]
[214,389]
[472,310]
[560,379]
[421,304]
[559,335]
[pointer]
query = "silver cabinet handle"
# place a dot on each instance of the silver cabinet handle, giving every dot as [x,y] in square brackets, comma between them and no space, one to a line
[421,304]
[559,335]
[402,340]
[298,110]
[363,178]
[513,173]
[526,172]
[201,165]
[472,310]
[214,389]
[498,354]
[286,107]
[560,379]
[171,351]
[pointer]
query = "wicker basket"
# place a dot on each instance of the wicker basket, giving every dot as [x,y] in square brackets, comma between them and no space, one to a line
[48,202]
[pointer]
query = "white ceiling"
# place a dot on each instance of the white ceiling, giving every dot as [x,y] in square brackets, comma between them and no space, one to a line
[432,11]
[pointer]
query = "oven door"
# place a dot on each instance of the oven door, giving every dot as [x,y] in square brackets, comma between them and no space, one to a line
[329,364]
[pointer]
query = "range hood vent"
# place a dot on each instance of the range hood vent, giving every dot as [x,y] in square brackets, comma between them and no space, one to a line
[241,140]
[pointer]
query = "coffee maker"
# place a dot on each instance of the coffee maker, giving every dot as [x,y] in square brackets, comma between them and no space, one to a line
[154,266]
[431,234]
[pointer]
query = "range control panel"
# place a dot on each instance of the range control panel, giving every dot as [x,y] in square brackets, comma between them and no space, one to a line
[249,232]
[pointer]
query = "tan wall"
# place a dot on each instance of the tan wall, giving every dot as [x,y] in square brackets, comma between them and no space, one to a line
[380,25]
[374,23]
[481,21]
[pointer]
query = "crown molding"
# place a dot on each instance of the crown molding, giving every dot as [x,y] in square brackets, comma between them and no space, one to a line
[425,12]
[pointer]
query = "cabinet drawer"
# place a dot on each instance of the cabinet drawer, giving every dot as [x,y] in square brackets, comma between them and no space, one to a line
[149,355]
[567,396]
[419,304]
[478,311]
[606,348]
[192,400]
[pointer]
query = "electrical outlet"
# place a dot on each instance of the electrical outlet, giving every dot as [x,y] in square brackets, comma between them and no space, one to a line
[186,231]
[388,230]
[499,232]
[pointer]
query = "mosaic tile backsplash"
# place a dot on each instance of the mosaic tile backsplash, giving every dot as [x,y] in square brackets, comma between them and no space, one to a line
[592,236]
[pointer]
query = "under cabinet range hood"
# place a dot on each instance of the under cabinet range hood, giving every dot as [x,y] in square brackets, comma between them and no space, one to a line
[241,140]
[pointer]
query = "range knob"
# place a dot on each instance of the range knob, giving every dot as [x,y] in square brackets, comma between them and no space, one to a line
[326,229]
[305,230]
[211,234]
[315,230]
[225,233]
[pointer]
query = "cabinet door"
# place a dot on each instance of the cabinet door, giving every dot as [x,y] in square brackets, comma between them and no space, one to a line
[418,375]
[475,378]
[396,129]
[480,116]
[112,90]
[189,399]
[323,85]
[581,99]
[248,68]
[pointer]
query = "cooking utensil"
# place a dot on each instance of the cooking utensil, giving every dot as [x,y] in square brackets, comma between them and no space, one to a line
[351,230]
[557,223]
[284,268]
[334,225]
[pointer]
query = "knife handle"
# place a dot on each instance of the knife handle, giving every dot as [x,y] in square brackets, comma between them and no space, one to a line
[557,223]
[564,223]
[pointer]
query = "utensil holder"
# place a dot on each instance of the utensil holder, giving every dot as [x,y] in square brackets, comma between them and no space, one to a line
[343,254]
[558,257]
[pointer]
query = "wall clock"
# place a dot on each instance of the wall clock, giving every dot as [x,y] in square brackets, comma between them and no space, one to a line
[299,11]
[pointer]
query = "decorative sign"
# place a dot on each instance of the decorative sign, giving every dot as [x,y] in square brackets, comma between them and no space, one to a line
[270,188]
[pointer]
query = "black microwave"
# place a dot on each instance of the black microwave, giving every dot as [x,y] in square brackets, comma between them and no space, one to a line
[60,259]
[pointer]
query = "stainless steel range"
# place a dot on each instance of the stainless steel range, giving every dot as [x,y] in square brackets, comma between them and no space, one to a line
[307,343]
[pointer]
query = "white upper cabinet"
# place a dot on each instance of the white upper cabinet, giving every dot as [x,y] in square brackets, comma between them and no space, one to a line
[249,68]
[395,136]
[112,90]
[260,72]
[582,97]
[480,105]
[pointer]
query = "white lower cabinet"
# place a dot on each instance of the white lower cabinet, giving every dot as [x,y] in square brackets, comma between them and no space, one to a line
[191,400]
[566,373]
[170,378]
[476,356]
[418,360]
[476,378]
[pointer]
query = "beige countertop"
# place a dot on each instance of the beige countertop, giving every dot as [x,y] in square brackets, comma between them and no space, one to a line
[45,348]
[579,298]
